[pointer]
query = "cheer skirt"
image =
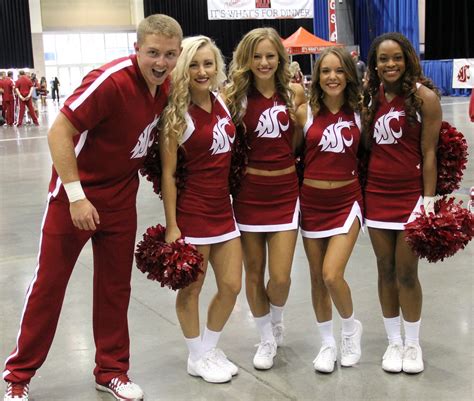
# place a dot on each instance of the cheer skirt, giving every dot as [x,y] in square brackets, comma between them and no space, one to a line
[391,204]
[205,216]
[267,203]
[329,212]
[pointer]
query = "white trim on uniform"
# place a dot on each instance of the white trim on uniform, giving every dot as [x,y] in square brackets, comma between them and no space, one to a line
[101,78]
[309,120]
[357,120]
[213,240]
[190,127]
[221,101]
[418,116]
[387,225]
[274,227]
[30,288]
[355,212]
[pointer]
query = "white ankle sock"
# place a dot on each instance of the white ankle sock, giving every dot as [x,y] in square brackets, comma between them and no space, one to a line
[264,326]
[276,313]
[210,339]
[392,327]
[412,332]
[326,332]
[348,325]
[194,347]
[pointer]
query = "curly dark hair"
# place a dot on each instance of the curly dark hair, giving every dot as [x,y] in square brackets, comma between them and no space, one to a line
[412,75]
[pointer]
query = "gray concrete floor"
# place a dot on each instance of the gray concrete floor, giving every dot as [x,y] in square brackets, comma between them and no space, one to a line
[158,361]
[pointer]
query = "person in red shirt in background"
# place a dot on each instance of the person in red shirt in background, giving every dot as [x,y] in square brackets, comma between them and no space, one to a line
[2,77]
[471,106]
[8,86]
[24,90]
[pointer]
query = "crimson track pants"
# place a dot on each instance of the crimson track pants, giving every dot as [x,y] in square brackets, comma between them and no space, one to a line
[28,104]
[60,245]
[9,111]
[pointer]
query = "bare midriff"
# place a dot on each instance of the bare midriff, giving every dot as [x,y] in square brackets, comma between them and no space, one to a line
[268,173]
[323,184]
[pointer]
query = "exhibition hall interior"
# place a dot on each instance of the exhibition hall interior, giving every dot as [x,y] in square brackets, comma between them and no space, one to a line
[56,43]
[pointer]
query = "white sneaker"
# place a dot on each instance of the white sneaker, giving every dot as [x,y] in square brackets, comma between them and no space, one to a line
[278,332]
[263,358]
[392,359]
[225,363]
[122,388]
[326,359]
[209,369]
[350,347]
[412,359]
[16,392]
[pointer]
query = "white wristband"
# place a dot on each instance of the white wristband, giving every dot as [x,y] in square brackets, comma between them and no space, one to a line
[74,191]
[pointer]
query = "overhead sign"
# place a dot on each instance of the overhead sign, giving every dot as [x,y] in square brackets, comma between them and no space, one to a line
[463,73]
[259,9]
[332,21]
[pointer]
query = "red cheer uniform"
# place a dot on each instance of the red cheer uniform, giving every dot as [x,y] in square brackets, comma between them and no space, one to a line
[395,178]
[268,203]
[203,208]
[115,115]
[331,143]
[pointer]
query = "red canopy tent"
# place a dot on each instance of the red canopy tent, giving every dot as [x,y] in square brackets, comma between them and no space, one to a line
[304,42]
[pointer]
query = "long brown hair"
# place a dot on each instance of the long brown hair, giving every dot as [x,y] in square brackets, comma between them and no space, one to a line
[351,92]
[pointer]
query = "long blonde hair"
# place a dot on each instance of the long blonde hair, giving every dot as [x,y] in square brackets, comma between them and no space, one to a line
[173,123]
[241,77]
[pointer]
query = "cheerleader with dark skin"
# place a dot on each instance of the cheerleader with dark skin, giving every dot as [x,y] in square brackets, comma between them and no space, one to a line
[402,119]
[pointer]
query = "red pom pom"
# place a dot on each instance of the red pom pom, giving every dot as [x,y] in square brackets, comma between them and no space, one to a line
[452,159]
[440,234]
[175,265]
[152,168]
[239,161]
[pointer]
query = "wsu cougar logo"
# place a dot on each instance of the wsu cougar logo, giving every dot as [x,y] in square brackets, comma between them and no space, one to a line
[145,140]
[221,141]
[333,140]
[268,125]
[463,74]
[383,134]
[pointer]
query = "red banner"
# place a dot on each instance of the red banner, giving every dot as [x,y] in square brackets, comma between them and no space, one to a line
[332,21]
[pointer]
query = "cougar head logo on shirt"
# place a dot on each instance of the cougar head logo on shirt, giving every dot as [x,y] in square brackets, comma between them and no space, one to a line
[268,125]
[333,140]
[383,134]
[221,141]
[145,140]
